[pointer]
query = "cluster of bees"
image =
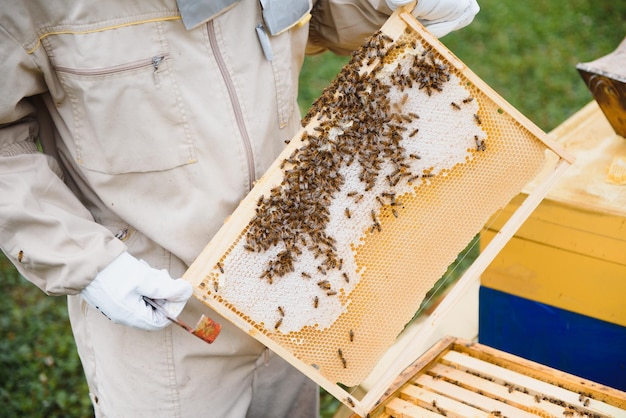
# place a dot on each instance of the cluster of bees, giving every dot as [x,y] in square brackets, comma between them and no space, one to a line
[354,121]
[358,125]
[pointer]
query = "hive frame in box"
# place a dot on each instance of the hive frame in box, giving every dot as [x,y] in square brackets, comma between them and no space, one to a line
[204,274]
[470,379]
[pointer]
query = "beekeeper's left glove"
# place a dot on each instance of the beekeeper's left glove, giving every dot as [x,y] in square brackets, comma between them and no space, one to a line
[118,290]
[441,17]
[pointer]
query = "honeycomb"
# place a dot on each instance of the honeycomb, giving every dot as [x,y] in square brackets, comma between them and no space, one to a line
[399,164]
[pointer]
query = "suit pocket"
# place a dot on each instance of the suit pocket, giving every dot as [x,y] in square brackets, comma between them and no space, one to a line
[126,109]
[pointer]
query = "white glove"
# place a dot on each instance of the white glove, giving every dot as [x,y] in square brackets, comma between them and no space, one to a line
[441,16]
[118,289]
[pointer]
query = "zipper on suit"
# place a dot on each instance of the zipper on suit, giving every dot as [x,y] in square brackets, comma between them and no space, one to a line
[234,100]
[153,62]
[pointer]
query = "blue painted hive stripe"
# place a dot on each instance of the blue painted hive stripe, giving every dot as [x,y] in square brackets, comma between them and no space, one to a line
[564,340]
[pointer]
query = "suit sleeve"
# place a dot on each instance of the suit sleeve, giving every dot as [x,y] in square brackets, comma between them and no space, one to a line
[341,26]
[45,231]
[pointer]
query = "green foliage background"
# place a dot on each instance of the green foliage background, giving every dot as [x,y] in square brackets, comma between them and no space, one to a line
[526,51]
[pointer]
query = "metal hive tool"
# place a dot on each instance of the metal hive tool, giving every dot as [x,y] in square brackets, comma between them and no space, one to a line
[401,161]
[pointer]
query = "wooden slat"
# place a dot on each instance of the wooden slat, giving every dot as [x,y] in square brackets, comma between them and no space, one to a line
[516,397]
[471,398]
[533,385]
[452,408]
[399,408]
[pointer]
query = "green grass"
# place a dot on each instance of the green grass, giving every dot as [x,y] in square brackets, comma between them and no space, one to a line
[526,51]
[40,373]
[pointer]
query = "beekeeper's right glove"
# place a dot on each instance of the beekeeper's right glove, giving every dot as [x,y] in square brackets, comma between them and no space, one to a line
[118,290]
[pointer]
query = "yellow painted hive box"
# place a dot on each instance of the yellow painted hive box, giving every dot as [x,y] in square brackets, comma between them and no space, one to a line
[571,252]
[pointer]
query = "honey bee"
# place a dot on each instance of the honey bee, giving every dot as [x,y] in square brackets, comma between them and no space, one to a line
[316,302]
[350,402]
[220,267]
[468,99]
[281,311]
[278,323]
[260,200]
[456,106]
[20,256]
[324,284]
[345,277]
[496,413]
[216,285]
[537,398]
[331,293]
[413,133]
[480,144]
[343,360]
[586,403]
[477,119]
[351,335]
[305,275]
[348,213]
[434,403]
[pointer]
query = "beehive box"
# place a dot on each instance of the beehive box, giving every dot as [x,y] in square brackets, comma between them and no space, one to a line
[567,263]
[399,164]
[456,378]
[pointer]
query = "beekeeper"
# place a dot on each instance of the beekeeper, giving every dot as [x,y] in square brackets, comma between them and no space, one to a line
[155,119]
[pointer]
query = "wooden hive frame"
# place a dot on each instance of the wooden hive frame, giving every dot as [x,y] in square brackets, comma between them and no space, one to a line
[204,273]
[459,378]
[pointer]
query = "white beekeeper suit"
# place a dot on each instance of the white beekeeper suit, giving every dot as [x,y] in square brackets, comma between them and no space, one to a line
[152,133]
